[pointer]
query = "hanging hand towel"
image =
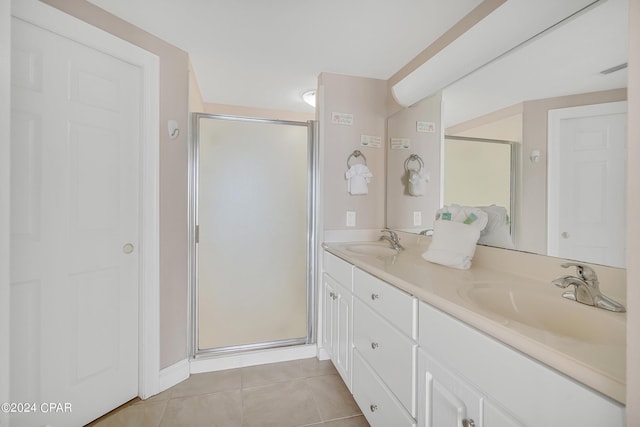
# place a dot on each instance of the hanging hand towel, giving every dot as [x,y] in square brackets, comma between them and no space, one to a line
[417,182]
[358,177]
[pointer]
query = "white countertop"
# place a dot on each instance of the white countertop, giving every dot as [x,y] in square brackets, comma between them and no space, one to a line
[599,365]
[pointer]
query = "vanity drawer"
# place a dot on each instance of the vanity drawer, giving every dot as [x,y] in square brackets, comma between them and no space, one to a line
[390,302]
[340,270]
[377,403]
[391,354]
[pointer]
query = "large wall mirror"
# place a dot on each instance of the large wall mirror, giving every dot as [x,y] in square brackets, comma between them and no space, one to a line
[560,99]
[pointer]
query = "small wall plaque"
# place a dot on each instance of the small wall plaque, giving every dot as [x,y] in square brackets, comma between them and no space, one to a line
[370,141]
[400,143]
[342,119]
[425,127]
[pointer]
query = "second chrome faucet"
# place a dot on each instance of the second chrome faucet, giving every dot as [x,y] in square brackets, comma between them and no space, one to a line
[586,288]
[392,238]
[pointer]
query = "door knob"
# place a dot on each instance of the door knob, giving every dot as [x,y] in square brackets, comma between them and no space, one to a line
[127,248]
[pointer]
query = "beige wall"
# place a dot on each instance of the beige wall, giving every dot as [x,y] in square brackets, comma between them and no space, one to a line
[196,104]
[401,205]
[633,226]
[174,97]
[366,99]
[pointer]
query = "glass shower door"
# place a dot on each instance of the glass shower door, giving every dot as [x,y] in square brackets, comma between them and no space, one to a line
[253,230]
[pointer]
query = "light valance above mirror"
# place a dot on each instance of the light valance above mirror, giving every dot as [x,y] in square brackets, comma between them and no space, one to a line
[483,35]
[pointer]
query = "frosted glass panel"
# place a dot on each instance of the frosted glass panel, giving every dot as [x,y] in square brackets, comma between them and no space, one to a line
[477,173]
[252,216]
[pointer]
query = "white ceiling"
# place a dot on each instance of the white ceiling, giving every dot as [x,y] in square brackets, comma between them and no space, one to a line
[265,54]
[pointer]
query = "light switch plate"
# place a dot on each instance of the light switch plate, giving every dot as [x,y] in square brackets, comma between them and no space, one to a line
[351,219]
[417,218]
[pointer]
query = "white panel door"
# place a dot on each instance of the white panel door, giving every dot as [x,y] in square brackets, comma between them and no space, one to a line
[74,232]
[587,183]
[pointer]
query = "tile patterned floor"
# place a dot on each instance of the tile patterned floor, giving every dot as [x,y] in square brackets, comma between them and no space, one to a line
[304,392]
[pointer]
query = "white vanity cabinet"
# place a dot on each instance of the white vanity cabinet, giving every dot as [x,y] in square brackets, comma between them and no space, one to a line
[466,375]
[408,363]
[337,314]
[385,351]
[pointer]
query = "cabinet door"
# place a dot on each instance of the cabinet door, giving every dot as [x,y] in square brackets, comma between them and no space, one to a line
[444,399]
[329,295]
[494,416]
[342,345]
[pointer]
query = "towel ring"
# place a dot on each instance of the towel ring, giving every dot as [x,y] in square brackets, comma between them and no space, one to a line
[413,158]
[356,154]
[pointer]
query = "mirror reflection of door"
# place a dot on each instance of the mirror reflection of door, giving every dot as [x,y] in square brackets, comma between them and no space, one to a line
[587,194]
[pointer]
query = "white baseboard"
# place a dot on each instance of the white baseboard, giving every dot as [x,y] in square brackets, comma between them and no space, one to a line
[322,354]
[258,357]
[173,375]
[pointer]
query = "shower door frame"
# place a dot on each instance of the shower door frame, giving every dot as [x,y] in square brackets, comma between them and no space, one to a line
[311,264]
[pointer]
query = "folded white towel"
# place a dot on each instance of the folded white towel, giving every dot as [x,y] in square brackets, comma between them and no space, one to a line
[417,182]
[453,244]
[358,177]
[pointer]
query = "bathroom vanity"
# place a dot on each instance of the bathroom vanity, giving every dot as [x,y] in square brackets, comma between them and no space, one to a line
[422,344]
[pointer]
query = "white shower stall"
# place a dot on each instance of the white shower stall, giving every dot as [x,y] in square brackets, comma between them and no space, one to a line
[252,223]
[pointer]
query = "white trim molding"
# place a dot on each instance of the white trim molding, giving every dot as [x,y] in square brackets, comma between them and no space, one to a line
[173,375]
[253,358]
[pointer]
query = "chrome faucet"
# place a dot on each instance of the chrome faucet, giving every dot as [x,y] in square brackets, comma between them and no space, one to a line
[392,238]
[586,288]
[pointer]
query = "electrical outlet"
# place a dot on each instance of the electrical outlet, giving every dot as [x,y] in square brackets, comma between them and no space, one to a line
[417,218]
[351,219]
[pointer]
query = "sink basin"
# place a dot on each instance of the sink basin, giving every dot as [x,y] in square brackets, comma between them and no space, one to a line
[548,312]
[372,248]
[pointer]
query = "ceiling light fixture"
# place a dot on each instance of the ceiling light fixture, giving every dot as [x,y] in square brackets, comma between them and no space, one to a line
[310,97]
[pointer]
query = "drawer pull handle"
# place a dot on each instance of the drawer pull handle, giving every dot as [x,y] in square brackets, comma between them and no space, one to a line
[374,345]
[375,296]
[468,422]
[373,408]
